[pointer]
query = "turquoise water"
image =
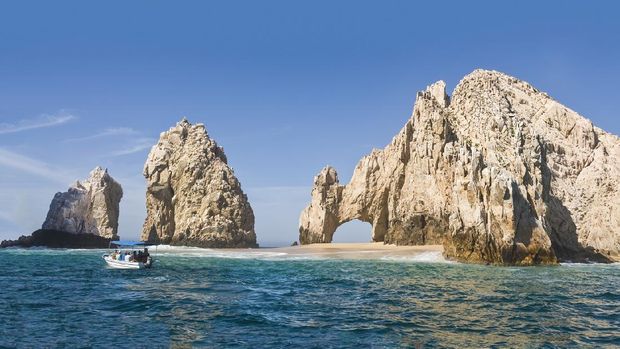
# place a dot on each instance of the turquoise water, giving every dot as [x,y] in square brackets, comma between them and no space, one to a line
[68,298]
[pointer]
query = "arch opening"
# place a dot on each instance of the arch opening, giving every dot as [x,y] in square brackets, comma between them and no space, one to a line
[354,231]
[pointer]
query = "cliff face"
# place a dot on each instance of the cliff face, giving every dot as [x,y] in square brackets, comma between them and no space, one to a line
[88,207]
[498,173]
[193,197]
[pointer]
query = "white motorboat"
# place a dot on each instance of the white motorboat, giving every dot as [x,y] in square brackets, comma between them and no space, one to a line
[128,256]
[120,264]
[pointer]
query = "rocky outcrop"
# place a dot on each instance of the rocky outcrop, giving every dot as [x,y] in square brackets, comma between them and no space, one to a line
[498,173]
[85,216]
[88,207]
[193,197]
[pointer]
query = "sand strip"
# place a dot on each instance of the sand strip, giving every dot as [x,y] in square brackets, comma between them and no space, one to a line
[371,250]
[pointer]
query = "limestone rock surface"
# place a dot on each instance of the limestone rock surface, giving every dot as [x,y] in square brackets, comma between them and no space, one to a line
[498,173]
[87,207]
[193,197]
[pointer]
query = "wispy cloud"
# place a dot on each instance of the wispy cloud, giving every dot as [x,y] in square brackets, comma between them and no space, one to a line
[38,122]
[137,145]
[108,132]
[31,166]
[131,140]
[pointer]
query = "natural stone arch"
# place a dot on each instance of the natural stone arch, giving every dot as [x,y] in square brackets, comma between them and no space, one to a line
[334,205]
[498,173]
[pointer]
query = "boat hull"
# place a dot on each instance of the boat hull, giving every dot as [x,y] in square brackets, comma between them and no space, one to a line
[124,264]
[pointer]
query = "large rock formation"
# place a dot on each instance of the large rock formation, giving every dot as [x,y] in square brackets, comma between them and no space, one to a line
[85,216]
[88,207]
[498,173]
[193,197]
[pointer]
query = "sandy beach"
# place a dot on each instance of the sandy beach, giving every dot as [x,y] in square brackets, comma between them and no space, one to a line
[358,250]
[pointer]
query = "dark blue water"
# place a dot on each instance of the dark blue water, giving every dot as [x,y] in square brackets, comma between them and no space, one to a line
[63,298]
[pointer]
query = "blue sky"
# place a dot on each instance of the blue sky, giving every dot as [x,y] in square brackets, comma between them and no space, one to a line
[285,87]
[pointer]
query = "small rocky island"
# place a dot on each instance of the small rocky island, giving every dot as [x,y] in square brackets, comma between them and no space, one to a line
[193,197]
[85,216]
[497,173]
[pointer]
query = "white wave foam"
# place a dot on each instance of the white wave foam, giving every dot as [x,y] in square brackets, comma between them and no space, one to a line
[589,264]
[269,254]
[423,257]
[180,251]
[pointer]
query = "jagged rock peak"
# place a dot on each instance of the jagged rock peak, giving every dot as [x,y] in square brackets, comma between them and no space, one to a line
[90,206]
[193,197]
[438,92]
[327,176]
[499,172]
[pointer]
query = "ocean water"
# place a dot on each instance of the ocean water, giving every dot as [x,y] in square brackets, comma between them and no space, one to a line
[221,299]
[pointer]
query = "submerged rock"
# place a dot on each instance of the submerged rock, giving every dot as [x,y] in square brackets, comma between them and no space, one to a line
[193,197]
[498,173]
[58,239]
[88,207]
